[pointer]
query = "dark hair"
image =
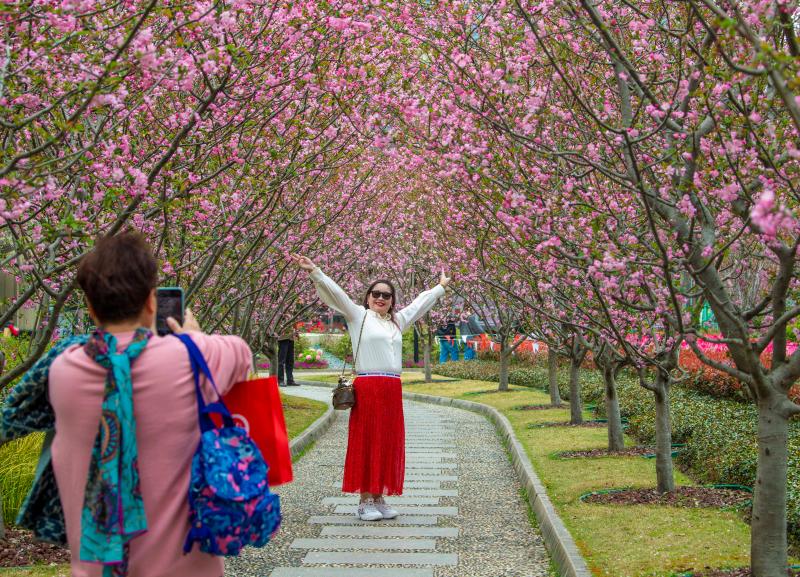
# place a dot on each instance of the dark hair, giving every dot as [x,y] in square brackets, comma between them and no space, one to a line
[118,276]
[391,288]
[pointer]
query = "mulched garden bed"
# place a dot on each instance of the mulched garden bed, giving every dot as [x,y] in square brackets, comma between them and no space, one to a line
[537,407]
[681,497]
[19,548]
[740,572]
[628,452]
[592,424]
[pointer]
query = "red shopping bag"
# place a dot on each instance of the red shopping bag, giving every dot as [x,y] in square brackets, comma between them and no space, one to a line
[256,407]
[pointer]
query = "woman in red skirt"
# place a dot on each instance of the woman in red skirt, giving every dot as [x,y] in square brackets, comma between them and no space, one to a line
[376,460]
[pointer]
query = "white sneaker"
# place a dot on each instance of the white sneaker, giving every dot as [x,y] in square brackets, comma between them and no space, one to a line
[385,510]
[367,511]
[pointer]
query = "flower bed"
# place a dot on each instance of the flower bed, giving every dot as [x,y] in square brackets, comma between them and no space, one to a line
[312,365]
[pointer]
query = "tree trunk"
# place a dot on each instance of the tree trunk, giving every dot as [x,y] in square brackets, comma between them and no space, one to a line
[552,377]
[2,520]
[427,353]
[616,438]
[664,474]
[505,357]
[768,528]
[575,404]
[272,354]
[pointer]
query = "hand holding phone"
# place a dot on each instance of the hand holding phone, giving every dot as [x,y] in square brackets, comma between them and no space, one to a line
[169,303]
[189,323]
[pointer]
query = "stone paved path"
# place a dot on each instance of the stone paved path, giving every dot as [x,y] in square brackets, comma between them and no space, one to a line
[461,513]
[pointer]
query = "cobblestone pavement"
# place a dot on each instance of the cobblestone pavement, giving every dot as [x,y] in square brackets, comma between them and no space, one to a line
[461,513]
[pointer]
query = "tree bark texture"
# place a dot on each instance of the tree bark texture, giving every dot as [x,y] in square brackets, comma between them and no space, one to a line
[768,546]
[616,437]
[552,377]
[272,353]
[428,353]
[2,520]
[664,474]
[505,357]
[575,404]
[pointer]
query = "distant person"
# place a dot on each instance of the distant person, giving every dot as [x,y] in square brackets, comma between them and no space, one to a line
[375,462]
[286,357]
[469,351]
[101,454]
[448,347]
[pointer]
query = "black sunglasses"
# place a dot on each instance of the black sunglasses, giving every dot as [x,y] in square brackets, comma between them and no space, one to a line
[381,295]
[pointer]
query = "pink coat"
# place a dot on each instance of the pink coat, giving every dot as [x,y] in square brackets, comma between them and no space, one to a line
[167,434]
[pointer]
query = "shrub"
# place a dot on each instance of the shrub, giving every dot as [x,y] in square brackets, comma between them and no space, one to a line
[15,350]
[300,343]
[534,358]
[309,355]
[17,467]
[719,434]
[311,365]
[523,376]
[520,357]
[716,383]
[408,347]
[339,346]
[310,359]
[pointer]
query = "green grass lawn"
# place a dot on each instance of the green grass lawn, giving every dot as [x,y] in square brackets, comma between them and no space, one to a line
[298,412]
[617,541]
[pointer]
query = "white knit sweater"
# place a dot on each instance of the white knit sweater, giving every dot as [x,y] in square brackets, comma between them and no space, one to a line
[381,342]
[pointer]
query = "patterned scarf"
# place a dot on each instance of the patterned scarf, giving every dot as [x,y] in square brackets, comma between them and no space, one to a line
[113,510]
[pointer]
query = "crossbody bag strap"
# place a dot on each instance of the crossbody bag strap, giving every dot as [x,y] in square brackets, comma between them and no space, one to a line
[358,345]
[200,367]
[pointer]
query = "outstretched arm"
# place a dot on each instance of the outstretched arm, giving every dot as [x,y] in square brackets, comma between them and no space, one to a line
[330,292]
[422,304]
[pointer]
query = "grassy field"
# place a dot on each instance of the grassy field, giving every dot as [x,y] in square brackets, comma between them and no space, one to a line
[298,412]
[617,541]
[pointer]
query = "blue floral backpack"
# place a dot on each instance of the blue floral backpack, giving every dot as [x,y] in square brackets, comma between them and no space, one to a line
[229,499]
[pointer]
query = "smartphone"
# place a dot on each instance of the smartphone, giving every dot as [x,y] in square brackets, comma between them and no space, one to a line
[169,303]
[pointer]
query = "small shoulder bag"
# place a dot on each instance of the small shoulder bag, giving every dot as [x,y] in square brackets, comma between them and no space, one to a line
[344,396]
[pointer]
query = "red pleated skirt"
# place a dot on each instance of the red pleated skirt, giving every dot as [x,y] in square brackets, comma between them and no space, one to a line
[376,444]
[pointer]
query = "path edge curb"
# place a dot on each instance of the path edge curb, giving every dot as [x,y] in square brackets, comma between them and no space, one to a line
[557,538]
[313,432]
[563,550]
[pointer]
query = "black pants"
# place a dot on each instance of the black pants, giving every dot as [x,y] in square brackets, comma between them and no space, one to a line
[285,361]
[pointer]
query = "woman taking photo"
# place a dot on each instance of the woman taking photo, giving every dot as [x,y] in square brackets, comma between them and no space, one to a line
[375,461]
[126,422]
